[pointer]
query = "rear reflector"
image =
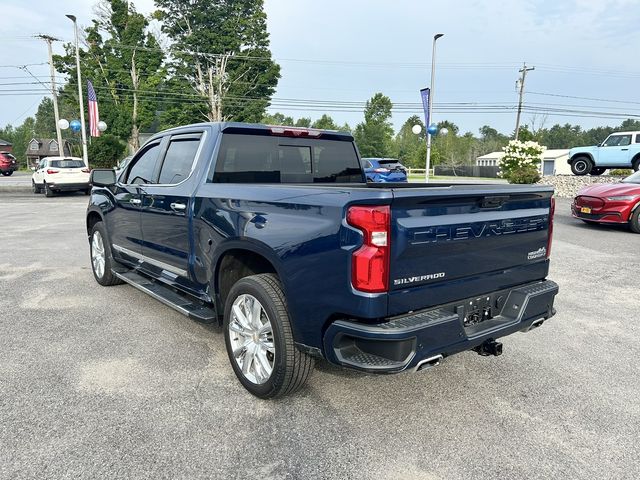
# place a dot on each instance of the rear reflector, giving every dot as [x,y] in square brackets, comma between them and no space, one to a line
[86,170]
[370,263]
[552,212]
[51,172]
[294,132]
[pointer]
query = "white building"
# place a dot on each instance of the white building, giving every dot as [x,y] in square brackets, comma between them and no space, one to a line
[553,162]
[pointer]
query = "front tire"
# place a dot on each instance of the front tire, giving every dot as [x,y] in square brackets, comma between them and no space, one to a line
[8,173]
[581,166]
[259,340]
[101,258]
[634,221]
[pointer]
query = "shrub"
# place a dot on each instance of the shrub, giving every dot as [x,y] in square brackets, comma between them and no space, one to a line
[105,151]
[624,172]
[521,162]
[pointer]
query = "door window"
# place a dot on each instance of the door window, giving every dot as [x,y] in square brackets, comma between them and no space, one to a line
[178,161]
[143,167]
[617,141]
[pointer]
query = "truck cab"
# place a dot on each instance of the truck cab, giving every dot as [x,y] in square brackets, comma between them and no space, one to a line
[618,150]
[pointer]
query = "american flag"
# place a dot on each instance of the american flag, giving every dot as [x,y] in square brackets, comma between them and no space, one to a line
[94,117]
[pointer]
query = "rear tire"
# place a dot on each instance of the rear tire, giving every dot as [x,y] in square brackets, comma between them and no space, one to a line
[634,221]
[101,258]
[8,173]
[597,171]
[47,191]
[636,164]
[257,328]
[581,166]
[35,188]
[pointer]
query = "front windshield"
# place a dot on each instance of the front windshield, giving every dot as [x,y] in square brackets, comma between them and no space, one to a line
[634,178]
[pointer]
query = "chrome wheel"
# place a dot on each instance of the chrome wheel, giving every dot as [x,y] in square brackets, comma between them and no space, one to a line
[97,254]
[251,338]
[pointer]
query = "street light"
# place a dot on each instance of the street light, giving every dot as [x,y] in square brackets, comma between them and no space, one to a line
[85,156]
[433,77]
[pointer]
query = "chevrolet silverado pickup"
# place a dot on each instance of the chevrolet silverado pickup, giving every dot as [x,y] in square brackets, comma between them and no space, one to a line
[274,233]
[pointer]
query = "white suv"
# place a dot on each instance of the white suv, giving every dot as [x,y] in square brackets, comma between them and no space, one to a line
[60,174]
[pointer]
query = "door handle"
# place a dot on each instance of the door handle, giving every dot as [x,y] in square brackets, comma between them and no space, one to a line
[135,201]
[178,207]
[624,149]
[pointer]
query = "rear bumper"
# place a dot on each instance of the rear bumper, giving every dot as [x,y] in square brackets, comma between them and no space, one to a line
[403,342]
[68,187]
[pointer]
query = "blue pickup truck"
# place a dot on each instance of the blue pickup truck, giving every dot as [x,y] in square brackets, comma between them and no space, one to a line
[619,150]
[275,233]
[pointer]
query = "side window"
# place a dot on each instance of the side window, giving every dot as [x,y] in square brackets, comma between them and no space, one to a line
[143,166]
[178,161]
[625,140]
[638,138]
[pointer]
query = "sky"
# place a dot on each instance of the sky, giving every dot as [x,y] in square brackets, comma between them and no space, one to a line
[339,51]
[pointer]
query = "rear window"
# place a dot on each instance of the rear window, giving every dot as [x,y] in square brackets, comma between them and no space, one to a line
[272,159]
[389,162]
[66,163]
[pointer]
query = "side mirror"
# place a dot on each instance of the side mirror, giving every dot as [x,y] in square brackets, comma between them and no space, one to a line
[33,169]
[102,177]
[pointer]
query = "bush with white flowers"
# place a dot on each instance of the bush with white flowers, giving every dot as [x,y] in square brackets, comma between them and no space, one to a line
[521,162]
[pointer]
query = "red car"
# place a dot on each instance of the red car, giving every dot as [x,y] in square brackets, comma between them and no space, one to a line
[610,203]
[8,164]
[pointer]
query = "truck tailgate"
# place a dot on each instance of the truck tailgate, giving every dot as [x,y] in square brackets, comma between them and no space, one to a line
[450,243]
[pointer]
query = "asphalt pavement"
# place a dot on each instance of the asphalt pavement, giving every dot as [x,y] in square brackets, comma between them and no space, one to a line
[102,382]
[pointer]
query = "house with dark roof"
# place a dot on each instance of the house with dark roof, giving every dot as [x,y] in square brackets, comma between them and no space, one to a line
[39,148]
[5,146]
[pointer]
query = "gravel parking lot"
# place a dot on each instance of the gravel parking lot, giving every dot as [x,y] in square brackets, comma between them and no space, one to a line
[108,383]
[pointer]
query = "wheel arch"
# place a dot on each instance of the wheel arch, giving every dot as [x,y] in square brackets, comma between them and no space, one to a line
[238,259]
[582,154]
[93,217]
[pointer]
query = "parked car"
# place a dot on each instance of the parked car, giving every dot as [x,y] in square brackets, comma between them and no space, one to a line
[610,203]
[384,170]
[8,164]
[275,233]
[60,174]
[619,150]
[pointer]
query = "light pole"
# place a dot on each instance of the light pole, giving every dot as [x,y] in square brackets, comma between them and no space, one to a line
[84,133]
[433,78]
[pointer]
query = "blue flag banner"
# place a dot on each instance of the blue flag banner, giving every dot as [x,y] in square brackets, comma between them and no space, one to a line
[425,94]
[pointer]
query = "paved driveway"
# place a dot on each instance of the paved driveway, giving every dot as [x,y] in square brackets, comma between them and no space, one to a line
[108,383]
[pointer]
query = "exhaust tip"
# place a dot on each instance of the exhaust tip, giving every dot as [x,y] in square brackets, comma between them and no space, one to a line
[428,363]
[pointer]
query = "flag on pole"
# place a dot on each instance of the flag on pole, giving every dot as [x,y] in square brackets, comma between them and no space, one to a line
[94,117]
[425,94]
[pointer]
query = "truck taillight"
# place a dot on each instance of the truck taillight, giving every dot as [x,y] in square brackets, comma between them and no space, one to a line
[51,172]
[552,211]
[85,170]
[370,263]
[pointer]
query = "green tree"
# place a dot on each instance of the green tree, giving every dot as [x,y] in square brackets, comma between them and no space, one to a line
[124,62]
[375,135]
[410,148]
[221,59]
[325,122]
[303,122]
[45,125]
[278,119]
[106,151]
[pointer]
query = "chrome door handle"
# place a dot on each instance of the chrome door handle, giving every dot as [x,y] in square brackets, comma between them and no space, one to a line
[135,201]
[178,207]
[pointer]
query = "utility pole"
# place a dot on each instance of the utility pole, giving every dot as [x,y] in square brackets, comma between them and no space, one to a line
[49,39]
[523,75]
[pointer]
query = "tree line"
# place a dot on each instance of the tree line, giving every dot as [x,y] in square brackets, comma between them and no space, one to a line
[210,61]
